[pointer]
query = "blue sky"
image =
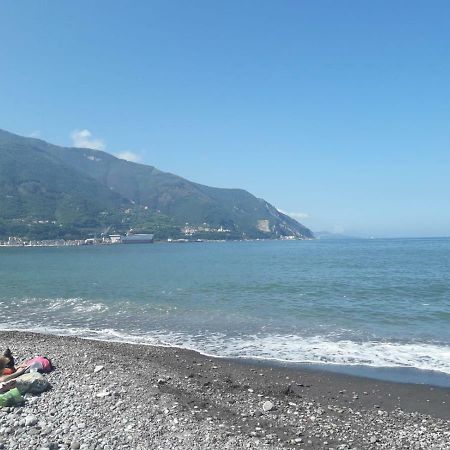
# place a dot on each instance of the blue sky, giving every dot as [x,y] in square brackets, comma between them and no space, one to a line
[335,112]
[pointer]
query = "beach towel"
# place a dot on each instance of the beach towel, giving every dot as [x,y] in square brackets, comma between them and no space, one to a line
[11,398]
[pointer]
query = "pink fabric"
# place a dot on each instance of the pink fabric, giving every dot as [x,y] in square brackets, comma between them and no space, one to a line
[46,365]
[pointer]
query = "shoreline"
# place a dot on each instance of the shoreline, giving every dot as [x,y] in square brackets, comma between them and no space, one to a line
[394,374]
[390,374]
[178,398]
[81,243]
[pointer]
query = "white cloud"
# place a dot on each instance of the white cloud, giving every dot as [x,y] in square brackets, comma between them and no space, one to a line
[35,134]
[84,139]
[299,215]
[296,215]
[129,156]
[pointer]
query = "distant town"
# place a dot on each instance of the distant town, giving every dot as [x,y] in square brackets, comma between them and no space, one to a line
[189,232]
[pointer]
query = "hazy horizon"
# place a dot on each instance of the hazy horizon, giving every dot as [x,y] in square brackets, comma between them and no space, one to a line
[337,114]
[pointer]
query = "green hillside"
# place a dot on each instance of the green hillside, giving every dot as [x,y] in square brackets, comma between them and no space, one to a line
[46,189]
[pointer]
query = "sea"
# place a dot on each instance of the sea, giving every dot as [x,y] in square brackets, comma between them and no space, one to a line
[373,307]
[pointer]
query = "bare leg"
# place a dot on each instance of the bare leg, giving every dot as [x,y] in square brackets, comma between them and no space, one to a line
[8,386]
[16,374]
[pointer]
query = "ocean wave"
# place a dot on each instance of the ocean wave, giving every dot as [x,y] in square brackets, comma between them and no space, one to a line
[318,349]
[280,348]
[54,304]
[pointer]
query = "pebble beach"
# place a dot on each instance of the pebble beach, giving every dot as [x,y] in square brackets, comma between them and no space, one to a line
[107,395]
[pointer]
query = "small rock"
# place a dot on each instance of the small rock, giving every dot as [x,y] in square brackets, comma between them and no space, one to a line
[102,394]
[268,406]
[31,421]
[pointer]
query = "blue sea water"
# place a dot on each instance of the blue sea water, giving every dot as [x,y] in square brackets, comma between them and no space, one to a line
[372,304]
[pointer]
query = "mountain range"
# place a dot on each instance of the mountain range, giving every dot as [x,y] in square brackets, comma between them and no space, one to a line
[48,191]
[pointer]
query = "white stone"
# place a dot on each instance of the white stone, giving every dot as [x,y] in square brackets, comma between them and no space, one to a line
[102,394]
[268,406]
[30,421]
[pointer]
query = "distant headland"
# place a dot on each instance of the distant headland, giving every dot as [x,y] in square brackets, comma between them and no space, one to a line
[52,193]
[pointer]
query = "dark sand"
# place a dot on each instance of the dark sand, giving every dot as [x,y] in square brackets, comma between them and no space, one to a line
[157,397]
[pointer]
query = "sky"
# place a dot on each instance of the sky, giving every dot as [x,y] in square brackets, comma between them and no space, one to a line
[337,113]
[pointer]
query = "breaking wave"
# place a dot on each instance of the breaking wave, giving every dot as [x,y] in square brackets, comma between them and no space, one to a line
[280,348]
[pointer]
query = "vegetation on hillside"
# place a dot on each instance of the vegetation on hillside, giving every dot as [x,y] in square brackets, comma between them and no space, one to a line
[51,192]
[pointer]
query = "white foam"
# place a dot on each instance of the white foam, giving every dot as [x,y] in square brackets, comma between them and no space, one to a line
[282,348]
[43,305]
[425,356]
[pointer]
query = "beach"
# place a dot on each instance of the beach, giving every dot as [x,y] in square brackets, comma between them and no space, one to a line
[108,395]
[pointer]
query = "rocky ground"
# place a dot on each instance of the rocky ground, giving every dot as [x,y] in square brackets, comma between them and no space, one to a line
[119,396]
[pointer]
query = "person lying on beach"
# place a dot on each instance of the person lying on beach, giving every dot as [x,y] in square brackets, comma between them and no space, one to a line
[4,361]
[39,364]
[3,365]
[9,368]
